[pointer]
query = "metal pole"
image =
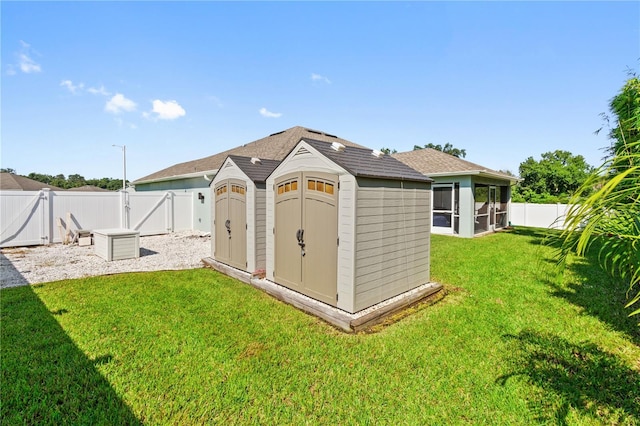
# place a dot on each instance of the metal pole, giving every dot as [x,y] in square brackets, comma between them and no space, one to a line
[124,167]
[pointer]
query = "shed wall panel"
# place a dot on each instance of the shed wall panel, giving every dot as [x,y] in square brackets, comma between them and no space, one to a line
[124,248]
[260,228]
[101,247]
[392,240]
[346,248]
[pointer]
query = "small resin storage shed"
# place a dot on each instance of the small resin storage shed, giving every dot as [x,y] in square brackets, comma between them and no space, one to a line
[347,226]
[238,212]
[117,244]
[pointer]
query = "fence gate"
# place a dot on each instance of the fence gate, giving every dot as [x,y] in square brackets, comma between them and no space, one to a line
[150,214]
[25,219]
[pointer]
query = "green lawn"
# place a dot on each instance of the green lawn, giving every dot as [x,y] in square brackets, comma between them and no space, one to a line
[509,344]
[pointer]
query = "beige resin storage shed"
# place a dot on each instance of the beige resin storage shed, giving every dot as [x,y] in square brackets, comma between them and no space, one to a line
[238,212]
[347,226]
[116,244]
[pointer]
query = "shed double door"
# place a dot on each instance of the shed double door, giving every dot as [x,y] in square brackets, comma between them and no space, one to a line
[306,234]
[231,223]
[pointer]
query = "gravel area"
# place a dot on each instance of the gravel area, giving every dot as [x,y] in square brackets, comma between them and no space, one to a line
[39,264]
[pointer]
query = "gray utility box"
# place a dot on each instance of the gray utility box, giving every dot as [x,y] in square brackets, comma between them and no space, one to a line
[117,244]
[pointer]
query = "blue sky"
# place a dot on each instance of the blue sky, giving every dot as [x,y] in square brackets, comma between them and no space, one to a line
[179,81]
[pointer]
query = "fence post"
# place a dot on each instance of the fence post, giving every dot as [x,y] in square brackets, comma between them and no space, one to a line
[45,217]
[170,211]
[123,209]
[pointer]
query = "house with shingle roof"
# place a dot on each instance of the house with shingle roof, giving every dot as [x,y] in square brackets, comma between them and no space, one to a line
[11,182]
[467,199]
[195,176]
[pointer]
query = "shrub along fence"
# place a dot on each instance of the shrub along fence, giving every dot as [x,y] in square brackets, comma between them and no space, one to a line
[41,217]
[539,215]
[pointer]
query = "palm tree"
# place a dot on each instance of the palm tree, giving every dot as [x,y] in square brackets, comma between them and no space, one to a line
[609,218]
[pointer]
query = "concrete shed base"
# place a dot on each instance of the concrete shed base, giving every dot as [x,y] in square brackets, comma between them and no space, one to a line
[341,319]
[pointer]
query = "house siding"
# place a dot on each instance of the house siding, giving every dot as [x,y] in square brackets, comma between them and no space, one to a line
[392,239]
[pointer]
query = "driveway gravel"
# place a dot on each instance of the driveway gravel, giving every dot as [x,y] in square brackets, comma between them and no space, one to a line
[39,264]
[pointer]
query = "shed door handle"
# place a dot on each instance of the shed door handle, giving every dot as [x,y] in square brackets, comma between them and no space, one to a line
[227,225]
[300,237]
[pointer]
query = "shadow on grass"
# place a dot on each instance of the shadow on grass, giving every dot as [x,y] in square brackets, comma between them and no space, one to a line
[574,377]
[45,378]
[595,291]
[539,236]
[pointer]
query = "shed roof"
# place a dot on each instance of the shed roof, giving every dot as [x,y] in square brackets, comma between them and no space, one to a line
[256,171]
[273,147]
[11,182]
[361,162]
[432,162]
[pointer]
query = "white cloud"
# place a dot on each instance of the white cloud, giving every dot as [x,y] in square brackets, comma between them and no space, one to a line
[119,103]
[98,91]
[318,77]
[165,110]
[266,113]
[72,87]
[26,64]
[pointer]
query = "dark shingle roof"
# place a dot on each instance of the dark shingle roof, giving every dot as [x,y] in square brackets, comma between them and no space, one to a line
[272,147]
[362,163]
[433,162]
[11,182]
[88,188]
[256,172]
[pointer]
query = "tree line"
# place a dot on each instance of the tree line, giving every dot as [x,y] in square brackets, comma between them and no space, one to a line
[72,181]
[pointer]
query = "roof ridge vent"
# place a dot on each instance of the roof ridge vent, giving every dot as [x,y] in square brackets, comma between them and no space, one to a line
[255,160]
[377,153]
[337,146]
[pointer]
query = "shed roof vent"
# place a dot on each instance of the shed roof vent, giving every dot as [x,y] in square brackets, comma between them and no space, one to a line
[377,153]
[337,146]
[255,160]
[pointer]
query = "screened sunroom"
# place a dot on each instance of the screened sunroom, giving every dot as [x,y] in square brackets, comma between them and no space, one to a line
[467,199]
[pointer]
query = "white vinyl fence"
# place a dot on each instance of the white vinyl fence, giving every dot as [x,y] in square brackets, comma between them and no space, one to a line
[539,215]
[33,217]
